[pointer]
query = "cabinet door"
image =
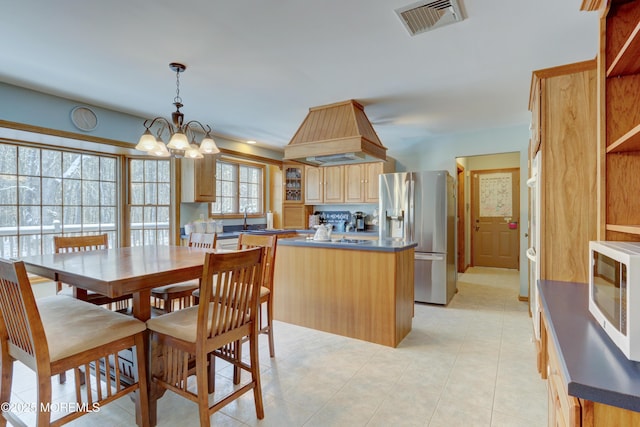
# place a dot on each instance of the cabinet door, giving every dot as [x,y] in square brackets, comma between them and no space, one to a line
[334,184]
[313,185]
[354,183]
[371,182]
[295,217]
[293,183]
[199,179]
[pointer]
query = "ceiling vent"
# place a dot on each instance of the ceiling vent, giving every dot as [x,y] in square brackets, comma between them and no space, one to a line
[428,15]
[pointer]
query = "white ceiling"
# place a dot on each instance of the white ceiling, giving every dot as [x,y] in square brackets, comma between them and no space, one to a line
[256,66]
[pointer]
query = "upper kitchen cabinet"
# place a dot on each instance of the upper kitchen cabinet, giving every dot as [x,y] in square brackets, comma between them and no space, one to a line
[619,138]
[361,181]
[293,183]
[198,178]
[324,185]
[313,185]
[563,105]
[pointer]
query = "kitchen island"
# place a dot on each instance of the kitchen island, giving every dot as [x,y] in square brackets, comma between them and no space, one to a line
[356,288]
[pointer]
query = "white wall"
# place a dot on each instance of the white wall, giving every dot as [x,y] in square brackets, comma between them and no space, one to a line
[441,153]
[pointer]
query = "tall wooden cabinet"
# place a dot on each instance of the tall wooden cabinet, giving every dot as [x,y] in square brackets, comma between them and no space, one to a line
[295,215]
[563,106]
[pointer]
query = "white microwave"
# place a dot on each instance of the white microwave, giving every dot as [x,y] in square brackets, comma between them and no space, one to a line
[614,292]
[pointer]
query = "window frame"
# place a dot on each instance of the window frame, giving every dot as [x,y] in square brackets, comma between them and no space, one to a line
[263,195]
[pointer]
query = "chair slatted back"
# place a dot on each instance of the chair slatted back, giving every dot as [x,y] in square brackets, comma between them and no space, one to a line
[231,281]
[203,240]
[20,321]
[63,244]
[246,241]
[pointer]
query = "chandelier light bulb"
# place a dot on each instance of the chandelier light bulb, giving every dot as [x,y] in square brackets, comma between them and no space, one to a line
[208,145]
[178,141]
[147,142]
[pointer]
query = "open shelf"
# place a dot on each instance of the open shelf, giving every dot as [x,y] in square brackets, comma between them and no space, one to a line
[630,141]
[627,61]
[629,229]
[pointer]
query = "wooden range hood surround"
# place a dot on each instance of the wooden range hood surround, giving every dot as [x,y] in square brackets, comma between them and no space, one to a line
[333,134]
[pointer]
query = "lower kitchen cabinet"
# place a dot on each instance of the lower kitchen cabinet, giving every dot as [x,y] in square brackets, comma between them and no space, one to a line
[295,217]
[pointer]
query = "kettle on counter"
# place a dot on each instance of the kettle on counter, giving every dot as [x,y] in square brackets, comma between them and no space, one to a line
[323,232]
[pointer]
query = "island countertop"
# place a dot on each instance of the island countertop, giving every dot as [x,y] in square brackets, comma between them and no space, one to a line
[350,244]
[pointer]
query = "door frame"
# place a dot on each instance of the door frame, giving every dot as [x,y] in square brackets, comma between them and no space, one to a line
[461,219]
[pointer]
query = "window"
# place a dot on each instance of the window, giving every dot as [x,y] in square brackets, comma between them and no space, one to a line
[150,200]
[239,187]
[47,192]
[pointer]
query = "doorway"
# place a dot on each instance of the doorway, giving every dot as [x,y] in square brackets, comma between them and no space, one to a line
[499,248]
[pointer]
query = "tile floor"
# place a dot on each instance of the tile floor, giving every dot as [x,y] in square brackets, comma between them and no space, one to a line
[469,364]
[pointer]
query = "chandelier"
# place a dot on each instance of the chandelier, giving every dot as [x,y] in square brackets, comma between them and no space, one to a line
[179,144]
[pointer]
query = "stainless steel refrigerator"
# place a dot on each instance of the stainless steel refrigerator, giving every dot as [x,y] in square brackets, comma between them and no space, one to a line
[421,207]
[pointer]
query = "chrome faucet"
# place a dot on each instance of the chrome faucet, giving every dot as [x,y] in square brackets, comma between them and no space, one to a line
[244,225]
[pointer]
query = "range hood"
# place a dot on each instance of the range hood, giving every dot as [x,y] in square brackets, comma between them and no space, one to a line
[335,134]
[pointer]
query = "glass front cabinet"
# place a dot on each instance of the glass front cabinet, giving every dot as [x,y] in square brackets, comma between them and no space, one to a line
[293,183]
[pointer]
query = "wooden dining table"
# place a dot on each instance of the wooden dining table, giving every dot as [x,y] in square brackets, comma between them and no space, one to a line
[121,271]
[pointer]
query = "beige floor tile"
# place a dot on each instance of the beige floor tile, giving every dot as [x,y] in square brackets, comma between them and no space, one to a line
[471,363]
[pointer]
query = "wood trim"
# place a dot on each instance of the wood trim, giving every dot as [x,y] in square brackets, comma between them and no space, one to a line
[561,70]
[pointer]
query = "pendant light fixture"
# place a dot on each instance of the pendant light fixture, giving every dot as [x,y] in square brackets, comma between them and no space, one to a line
[179,144]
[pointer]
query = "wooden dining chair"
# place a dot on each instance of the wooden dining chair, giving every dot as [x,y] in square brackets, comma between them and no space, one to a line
[246,241]
[231,282]
[64,244]
[59,333]
[164,297]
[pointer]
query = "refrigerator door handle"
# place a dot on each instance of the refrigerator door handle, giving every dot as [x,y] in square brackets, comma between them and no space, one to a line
[429,257]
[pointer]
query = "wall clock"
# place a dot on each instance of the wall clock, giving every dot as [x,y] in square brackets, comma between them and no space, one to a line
[84,118]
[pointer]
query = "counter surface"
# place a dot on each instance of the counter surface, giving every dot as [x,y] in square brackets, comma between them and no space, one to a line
[593,365]
[350,243]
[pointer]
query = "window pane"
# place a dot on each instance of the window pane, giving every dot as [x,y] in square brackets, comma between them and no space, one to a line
[164,171]
[8,189]
[8,216]
[150,171]
[108,194]
[90,167]
[137,194]
[164,194]
[29,163]
[71,163]
[108,171]
[52,163]
[71,192]
[136,216]
[8,159]
[51,191]
[90,193]
[150,195]
[29,190]
[29,219]
[136,169]
[108,218]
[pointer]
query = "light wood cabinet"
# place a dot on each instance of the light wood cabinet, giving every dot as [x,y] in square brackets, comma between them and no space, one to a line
[293,183]
[354,183]
[361,181]
[295,217]
[324,184]
[334,184]
[198,179]
[313,185]
[619,139]
[563,105]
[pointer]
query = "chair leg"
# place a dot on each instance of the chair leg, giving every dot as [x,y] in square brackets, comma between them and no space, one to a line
[6,377]
[212,373]
[142,394]
[237,371]
[272,348]
[202,380]
[255,374]
[43,399]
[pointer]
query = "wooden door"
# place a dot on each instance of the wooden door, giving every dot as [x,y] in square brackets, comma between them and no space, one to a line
[461,217]
[354,183]
[334,184]
[313,185]
[371,182]
[495,218]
